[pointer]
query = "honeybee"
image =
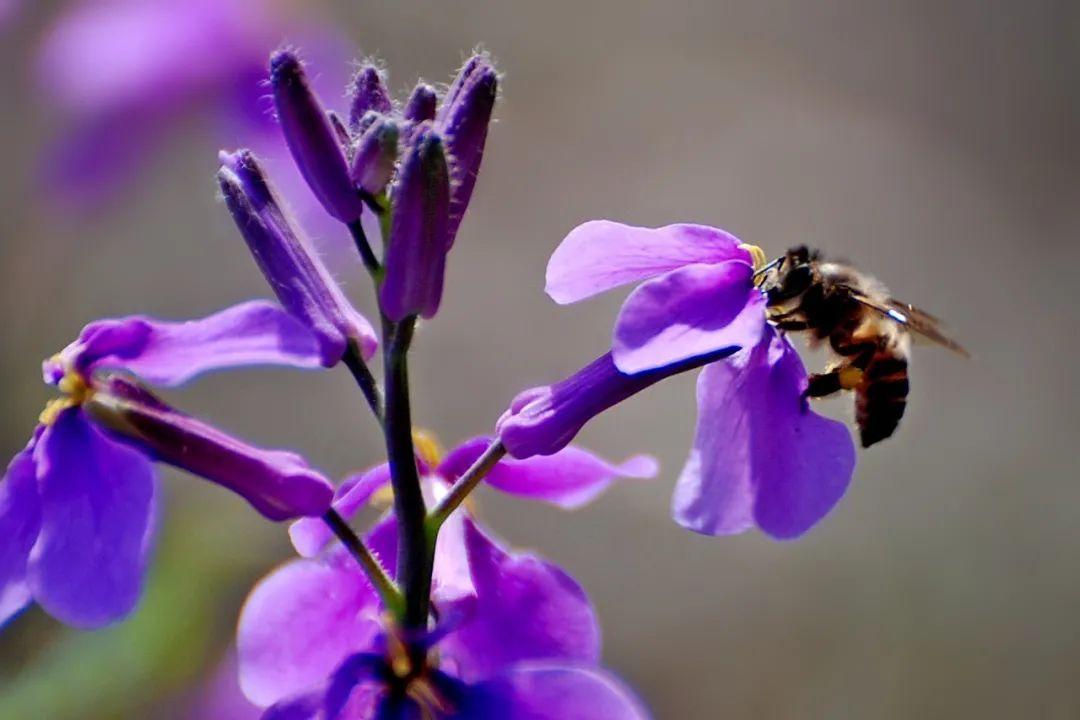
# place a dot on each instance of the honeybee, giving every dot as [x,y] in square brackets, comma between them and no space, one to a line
[868,331]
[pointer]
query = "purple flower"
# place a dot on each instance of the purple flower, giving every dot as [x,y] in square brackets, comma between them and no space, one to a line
[761,457]
[517,636]
[296,274]
[126,74]
[77,505]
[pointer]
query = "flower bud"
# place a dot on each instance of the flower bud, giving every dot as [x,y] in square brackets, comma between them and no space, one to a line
[464,119]
[416,256]
[376,153]
[368,95]
[421,104]
[311,138]
[279,484]
[297,275]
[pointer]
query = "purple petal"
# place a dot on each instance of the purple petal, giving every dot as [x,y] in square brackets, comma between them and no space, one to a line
[761,456]
[97,510]
[20,521]
[298,625]
[526,609]
[171,353]
[601,255]
[310,535]
[686,313]
[568,479]
[546,691]
[279,484]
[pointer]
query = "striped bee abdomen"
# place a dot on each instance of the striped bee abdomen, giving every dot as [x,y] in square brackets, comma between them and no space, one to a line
[882,397]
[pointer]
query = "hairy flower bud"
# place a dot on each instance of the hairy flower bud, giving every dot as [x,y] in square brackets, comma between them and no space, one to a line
[464,119]
[368,95]
[311,138]
[298,277]
[375,155]
[416,256]
[421,104]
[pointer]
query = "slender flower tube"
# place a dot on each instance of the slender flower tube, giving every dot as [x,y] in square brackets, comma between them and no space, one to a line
[369,94]
[761,456]
[295,273]
[375,156]
[77,506]
[416,256]
[311,138]
[279,484]
[464,119]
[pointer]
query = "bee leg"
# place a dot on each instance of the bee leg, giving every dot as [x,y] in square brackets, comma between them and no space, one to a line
[791,325]
[823,384]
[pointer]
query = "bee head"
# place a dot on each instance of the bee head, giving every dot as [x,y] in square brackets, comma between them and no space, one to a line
[793,275]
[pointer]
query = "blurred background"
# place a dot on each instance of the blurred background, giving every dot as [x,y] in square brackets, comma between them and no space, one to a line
[933,143]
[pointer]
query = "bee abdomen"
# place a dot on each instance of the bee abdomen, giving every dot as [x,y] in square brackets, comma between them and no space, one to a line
[881,399]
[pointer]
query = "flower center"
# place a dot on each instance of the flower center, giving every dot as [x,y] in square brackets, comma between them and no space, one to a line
[77,390]
[418,684]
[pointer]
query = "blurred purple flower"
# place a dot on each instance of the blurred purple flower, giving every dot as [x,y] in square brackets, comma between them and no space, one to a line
[761,456]
[516,636]
[125,74]
[77,506]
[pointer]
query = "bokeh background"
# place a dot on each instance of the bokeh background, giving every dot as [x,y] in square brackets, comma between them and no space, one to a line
[932,142]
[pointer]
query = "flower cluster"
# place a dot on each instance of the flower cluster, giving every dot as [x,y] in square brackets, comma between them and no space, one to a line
[426,614]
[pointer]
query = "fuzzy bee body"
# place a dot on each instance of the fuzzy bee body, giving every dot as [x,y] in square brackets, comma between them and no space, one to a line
[867,331]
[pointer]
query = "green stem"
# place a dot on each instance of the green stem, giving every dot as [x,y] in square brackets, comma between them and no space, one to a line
[465,485]
[414,560]
[367,255]
[376,573]
[364,379]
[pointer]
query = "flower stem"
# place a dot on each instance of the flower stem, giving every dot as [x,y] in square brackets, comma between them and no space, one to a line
[370,564]
[465,485]
[414,561]
[367,255]
[364,379]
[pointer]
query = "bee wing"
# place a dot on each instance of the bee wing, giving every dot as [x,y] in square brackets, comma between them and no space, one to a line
[917,321]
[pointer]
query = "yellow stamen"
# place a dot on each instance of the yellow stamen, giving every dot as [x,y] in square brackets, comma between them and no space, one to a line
[77,390]
[757,254]
[428,447]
